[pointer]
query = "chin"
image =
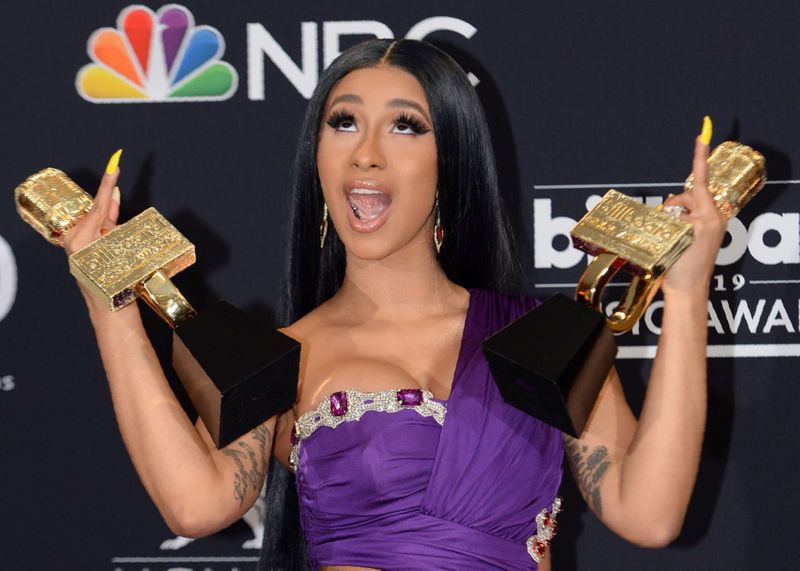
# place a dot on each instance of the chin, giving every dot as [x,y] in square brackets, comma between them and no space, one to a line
[375,248]
[371,250]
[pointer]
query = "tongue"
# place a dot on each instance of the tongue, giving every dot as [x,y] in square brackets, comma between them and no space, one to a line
[368,207]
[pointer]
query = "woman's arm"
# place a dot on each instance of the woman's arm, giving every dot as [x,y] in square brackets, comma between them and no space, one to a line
[197,489]
[638,476]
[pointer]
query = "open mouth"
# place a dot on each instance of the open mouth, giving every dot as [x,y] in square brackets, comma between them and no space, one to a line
[367,203]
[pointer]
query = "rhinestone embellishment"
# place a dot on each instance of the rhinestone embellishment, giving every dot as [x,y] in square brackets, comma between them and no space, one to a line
[348,406]
[546,529]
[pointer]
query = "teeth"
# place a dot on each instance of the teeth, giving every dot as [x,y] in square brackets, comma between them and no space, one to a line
[365,191]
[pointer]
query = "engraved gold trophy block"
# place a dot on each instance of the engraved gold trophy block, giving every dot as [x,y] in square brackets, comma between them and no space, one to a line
[237,371]
[551,362]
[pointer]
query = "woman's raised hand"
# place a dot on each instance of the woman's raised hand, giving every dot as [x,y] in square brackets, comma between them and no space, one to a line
[104,212]
[650,465]
[692,272]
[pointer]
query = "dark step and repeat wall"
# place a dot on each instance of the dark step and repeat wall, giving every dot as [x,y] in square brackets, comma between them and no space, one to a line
[581,97]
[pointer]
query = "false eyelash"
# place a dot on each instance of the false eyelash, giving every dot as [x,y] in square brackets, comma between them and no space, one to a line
[339,117]
[417,127]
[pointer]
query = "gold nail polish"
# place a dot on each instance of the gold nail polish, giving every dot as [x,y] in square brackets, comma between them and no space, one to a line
[706,132]
[113,162]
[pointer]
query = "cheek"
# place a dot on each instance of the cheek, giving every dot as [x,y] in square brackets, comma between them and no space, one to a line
[419,166]
[327,161]
[420,177]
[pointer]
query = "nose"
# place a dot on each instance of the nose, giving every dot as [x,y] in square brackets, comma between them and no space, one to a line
[368,153]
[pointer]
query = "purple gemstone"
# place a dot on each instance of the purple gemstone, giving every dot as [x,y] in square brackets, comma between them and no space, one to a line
[339,403]
[123,298]
[293,436]
[409,397]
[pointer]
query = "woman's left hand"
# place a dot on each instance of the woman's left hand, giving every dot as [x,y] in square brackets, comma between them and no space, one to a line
[642,483]
[692,272]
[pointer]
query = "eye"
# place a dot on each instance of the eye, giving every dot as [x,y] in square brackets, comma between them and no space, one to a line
[406,124]
[342,120]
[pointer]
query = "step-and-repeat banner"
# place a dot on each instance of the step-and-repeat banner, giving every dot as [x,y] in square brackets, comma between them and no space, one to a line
[206,98]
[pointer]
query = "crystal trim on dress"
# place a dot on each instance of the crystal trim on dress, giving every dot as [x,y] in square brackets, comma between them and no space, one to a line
[348,406]
[546,529]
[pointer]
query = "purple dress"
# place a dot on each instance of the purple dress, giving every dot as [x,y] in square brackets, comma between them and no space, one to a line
[399,480]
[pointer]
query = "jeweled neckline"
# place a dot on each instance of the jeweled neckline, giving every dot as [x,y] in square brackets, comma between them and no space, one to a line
[349,406]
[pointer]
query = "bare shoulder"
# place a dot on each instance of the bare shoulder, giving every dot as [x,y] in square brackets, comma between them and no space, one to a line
[310,325]
[307,330]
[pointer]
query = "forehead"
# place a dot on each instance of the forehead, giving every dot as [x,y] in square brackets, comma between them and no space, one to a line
[380,84]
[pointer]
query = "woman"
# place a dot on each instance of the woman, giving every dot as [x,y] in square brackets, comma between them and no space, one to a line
[396,212]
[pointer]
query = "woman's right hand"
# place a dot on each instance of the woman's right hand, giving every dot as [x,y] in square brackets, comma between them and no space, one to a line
[103,215]
[99,220]
[197,488]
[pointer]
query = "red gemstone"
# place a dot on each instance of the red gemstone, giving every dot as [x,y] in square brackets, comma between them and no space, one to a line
[540,547]
[439,234]
[546,519]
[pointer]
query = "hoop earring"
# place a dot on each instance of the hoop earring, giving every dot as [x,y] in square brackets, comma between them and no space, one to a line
[438,231]
[323,228]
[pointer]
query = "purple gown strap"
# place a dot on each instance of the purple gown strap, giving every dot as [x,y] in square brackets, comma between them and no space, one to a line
[491,459]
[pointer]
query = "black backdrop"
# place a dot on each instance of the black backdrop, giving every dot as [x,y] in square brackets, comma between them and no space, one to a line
[580,97]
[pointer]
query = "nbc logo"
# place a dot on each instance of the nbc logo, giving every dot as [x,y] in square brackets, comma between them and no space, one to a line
[156,57]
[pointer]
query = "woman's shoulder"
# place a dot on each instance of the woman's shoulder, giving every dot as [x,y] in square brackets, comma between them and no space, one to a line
[312,322]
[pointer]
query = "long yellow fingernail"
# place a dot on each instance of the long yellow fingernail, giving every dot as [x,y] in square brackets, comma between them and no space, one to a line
[706,132]
[113,162]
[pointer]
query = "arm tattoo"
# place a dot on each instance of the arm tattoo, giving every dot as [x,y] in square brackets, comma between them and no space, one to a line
[245,480]
[589,468]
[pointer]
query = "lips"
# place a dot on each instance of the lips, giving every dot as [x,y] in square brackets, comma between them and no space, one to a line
[368,203]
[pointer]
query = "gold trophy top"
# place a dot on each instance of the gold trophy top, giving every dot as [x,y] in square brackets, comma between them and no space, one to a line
[134,259]
[52,203]
[648,241]
[624,233]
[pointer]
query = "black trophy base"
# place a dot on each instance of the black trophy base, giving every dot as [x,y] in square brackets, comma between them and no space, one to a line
[552,361]
[237,371]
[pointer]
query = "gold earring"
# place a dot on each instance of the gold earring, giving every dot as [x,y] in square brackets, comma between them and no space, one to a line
[323,228]
[438,231]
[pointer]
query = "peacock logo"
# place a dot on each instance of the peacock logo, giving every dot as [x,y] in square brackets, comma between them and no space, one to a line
[156,57]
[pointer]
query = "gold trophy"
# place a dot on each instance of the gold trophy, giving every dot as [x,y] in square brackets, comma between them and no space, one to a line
[135,259]
[237,372]
[551,362]
[624,234]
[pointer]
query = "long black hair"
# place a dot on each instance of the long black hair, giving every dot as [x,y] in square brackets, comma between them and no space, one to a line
[478,243]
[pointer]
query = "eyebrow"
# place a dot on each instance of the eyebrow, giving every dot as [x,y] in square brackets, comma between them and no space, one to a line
[408,103]
[395,103]
[347,98]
